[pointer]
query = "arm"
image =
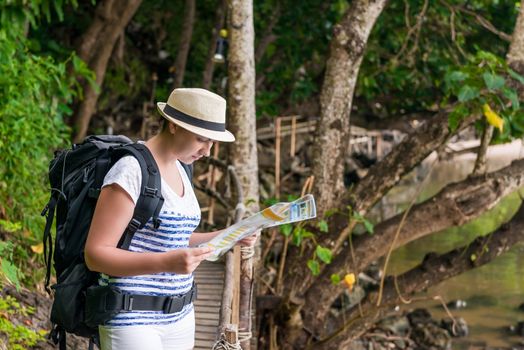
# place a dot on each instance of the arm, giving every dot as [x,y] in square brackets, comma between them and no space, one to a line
[113,212]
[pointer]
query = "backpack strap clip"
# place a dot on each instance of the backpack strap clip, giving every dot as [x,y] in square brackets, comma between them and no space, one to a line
[134,225]
[151,192]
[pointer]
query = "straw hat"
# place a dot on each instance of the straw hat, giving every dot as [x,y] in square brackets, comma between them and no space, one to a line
[199,111]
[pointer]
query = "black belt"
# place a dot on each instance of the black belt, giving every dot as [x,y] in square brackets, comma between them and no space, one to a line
[131,302]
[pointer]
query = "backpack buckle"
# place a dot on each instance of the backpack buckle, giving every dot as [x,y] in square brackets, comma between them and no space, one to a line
[148,191]
[134,224]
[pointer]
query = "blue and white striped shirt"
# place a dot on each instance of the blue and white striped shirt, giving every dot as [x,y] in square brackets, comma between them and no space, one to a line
[179,218]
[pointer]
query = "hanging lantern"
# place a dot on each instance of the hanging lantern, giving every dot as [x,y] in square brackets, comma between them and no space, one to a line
[219,56]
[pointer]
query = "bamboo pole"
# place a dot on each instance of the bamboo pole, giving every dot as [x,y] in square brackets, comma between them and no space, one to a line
[277,157]
[212,185]
[235,307]
[293,136]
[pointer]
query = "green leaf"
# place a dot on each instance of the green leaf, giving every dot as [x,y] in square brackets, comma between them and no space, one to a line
[467,93]
[516,76]
[286,229]
[473,257]
[5,248]
[330,212]
[307,234]
[314,266]
[456,116]
[457,76]
[324,254]
[356,215]
[493,81]
[369,226]
[323,226]
[297,236]
[11,273]
[335,278]
[511,95]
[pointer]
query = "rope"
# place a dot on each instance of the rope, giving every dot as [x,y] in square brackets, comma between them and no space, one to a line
[244,336]
[223,344]
[247,252]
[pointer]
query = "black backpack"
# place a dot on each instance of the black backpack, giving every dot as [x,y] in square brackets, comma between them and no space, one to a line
[76,177]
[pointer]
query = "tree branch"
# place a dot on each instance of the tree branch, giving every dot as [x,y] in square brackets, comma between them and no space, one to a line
[480,162]
[455,205]
[433,270]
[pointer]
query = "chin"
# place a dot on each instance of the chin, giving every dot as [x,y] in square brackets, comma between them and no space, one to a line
[189,160]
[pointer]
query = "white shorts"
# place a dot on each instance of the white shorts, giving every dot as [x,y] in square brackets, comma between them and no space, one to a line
[177,336]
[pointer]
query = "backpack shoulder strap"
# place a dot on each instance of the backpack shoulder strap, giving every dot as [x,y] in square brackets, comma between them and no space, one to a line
[150,201]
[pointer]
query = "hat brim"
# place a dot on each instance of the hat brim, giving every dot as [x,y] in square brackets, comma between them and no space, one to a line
[222,136]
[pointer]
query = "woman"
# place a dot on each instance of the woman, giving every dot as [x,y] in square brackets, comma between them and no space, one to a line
[159,262]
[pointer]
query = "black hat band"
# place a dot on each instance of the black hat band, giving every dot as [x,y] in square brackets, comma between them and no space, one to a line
[181,116]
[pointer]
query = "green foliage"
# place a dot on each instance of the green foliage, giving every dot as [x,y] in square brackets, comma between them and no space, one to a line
[314,266]
[13,253]
[286,229]
[323,226]
[335,279]
[486,81]
[361,219]
[35,91]
[19,337]
[404,63]
[323,254]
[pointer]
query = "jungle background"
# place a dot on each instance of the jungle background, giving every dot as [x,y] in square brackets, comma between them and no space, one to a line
[403,118]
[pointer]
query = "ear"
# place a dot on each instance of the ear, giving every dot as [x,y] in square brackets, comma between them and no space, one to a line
[172,128]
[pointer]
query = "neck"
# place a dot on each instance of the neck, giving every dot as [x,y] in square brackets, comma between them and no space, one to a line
[163,148]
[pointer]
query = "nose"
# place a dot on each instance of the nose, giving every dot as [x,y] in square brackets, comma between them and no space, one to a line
[207,148]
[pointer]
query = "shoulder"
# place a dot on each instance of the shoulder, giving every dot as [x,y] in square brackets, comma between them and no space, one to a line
[127,174]
[127,163]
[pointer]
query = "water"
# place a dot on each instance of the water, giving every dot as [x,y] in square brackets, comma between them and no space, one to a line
[492,292]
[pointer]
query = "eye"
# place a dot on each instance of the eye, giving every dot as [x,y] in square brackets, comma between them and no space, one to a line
[204,140]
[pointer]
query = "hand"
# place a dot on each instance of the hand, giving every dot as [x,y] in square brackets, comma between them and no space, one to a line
[186,260]
[249,240]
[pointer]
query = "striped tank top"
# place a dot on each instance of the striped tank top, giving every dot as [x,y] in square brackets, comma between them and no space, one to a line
[180,216]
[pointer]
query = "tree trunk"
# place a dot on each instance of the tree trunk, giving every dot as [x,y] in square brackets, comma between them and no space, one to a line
[111,18]
[455,205]
[185,43]
[207,76]
[515,57]
[242,122]
[332,134]
[433,270]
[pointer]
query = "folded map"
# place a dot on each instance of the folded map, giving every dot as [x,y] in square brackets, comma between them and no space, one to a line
[280,213]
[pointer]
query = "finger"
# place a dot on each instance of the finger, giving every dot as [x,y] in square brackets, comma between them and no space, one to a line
[199,258]
[201,251]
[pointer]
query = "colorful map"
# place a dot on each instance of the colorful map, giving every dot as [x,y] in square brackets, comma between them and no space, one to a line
[280,213]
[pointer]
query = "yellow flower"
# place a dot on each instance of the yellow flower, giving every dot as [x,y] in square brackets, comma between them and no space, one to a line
[492,117]
[38,249]
[350,280]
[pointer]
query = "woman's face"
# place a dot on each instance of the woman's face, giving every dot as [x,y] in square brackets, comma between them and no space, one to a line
[189,146]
